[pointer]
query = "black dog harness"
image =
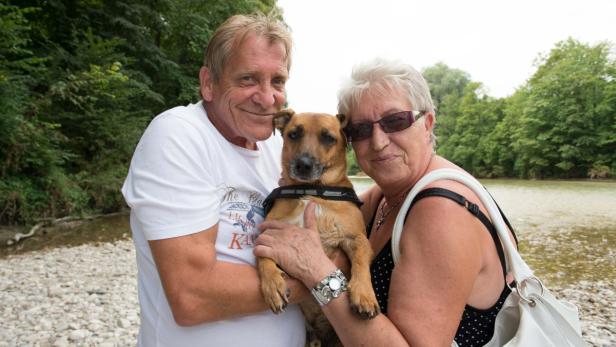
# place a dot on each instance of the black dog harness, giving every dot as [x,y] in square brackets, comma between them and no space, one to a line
[300,190]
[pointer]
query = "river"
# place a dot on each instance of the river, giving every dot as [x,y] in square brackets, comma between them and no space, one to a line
[567,229]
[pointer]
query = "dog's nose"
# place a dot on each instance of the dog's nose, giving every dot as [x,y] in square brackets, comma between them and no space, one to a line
[303,165]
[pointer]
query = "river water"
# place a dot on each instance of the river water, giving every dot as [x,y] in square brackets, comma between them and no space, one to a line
[567,229]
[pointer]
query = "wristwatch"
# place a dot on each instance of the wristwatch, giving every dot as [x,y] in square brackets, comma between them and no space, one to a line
[330,287]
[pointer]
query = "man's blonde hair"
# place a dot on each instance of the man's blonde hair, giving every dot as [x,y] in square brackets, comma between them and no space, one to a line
[230,35]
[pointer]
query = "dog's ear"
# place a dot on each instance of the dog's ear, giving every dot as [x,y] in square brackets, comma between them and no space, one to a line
[343,119]
[282,118]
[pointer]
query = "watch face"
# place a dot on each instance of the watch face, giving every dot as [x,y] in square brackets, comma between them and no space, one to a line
[334,284]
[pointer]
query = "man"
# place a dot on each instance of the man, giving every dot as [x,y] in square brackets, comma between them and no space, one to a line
[195,187]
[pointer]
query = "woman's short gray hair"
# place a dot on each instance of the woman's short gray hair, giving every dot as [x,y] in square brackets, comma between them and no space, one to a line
[381,76]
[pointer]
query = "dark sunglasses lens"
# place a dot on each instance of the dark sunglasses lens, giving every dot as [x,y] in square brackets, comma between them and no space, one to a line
[361,131]
[390,124]
[396,122]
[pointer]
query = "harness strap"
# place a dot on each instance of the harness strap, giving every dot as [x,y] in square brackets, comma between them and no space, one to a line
[474,210]
[298,191]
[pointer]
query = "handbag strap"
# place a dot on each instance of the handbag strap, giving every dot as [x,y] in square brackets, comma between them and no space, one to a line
[514,262]
[473,209]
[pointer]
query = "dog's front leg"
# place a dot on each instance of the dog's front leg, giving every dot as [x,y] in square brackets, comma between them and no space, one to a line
[273,286]
[361,294]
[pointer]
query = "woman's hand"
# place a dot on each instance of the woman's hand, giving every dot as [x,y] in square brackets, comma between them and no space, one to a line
[296,250]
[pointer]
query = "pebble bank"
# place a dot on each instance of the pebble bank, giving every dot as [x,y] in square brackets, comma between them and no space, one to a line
[87,296]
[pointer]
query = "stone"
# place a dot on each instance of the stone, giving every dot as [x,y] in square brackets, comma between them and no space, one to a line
[61,326]
[54,291]
[77,335]
[61,342]
[124,323]
[47,301]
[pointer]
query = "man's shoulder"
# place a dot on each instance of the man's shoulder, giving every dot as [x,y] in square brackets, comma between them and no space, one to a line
[183,121]
[191,114]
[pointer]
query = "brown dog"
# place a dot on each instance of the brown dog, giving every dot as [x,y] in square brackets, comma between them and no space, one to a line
[314,153]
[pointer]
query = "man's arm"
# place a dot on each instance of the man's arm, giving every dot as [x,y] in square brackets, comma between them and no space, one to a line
[200,288]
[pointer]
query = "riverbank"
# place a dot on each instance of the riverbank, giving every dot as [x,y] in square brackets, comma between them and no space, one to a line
[87,296]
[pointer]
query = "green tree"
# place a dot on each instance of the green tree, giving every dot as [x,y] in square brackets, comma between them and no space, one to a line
[446,87]
[30,149]
[445,81]
[79,80]
[100,114]
[470,144]
[560,124]
[501,153]
[568,122]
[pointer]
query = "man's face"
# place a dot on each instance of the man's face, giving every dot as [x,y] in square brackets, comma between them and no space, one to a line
[251,89]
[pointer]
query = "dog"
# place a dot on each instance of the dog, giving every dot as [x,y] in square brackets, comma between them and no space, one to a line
[314,152]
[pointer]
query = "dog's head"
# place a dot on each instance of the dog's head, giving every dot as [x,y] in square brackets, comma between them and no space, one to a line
[314,147]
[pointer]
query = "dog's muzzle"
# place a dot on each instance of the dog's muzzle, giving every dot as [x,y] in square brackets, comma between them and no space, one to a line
[305,167]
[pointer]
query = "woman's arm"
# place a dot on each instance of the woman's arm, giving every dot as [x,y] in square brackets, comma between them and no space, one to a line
[440,260]
[439,264]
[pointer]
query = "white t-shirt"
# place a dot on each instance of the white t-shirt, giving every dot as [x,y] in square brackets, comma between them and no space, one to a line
[184,178]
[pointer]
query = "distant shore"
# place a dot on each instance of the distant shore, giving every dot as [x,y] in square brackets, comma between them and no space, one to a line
[363,176]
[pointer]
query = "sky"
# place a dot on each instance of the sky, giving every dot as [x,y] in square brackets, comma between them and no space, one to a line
[496,41]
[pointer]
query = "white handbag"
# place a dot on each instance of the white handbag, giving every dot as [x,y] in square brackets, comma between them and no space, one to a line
[531,315]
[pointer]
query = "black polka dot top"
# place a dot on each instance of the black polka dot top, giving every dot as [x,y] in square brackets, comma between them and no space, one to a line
[476,326]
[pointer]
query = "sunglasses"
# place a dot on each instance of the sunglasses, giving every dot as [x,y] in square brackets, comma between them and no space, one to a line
[390,124]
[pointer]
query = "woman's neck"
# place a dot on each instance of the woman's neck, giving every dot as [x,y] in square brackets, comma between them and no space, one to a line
[397,191]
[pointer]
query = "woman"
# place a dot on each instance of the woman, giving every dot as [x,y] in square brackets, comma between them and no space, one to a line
[449,283]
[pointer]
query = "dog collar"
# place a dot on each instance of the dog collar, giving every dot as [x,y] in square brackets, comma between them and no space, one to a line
[300,190]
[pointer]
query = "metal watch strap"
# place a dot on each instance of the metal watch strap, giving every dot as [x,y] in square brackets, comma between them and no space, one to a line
[330,287]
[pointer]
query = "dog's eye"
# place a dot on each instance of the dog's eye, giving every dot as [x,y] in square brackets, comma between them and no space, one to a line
[295,134]
[327,138]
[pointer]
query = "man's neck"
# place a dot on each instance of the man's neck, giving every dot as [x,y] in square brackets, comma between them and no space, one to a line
[224,131]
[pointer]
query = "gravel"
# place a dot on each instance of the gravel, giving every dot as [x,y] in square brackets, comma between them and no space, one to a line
[87,296]
[79,296]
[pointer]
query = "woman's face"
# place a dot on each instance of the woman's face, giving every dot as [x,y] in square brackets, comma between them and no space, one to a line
[397,158]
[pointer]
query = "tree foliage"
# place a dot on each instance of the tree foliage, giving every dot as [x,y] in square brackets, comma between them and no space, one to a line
[445,82]
[560,124]
[568,120]
[79,81]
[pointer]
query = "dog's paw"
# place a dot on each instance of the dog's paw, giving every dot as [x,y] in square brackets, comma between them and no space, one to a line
[363,301]
[276,293]
[365,311]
